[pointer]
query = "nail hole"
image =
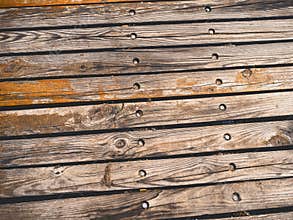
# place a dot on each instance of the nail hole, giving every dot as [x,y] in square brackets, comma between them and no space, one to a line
[120,143]
[222,107]
[136,86]
[227,137]
[236,197]
[142,173]
[139,113]
[215,56]
[133,36]
[135,61]
[132,12]
[145,205]
[208,9]
[232,166]
[141,142]
[212,31]
[219,82]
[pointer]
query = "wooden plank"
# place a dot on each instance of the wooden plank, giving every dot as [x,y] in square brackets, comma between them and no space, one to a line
[126,87]
[270,216]
[143,12]
[140,114]
[144,144]
[184,202]
[145,174]
[149,60]
[145,35]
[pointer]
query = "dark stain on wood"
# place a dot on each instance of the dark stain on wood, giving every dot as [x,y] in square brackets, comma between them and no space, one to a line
[106,180]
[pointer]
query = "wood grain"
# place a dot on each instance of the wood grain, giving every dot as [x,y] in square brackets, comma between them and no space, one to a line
[145,174]
[140,114]
[184,202]
[144,144]
[271,216]
[155,11]
[126,87]
[150,60]
[126,36]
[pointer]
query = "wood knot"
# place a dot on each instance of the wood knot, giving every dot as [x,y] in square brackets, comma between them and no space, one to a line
[246,73]
[120,143]
[279,140]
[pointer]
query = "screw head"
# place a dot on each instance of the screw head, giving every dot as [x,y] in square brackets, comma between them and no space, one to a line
[131,12]
[120,143]
[145,205]
[236,197]
[142,173]
[133,36]
[222,107]
[227,137]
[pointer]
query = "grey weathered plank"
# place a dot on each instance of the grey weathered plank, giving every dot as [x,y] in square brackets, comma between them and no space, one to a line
[139,114]
[194,201]
[270,216]
[145,12]
[145,86]
[145,174]
[145,35]
[154,59]
[144,144]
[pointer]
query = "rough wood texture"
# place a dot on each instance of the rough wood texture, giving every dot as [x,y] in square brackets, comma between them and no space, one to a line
[145,143]
[145,174]
[150,60]
[145,35]
[272,216]
[163,204]
[144,86]
[144,12]
[139,114]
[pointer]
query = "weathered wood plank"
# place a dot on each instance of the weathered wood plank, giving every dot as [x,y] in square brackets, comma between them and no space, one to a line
[144,60]
[144,144]
[143,12]
[145,35]
[145,86]
[139,114]
[271,216]
[163,204]
[145,174]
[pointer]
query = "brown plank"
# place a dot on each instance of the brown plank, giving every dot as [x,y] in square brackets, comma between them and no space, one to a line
[145,174]
[145,143]
[145,35]
[195,201]
[145,86]
[139,114]
[270,216]
[157,59]
[144,12]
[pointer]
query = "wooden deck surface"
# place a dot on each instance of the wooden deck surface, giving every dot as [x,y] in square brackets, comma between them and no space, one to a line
[129,109]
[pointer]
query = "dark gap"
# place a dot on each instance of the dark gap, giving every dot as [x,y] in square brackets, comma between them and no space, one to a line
[147,73]
[132,49]
[253,212]
[148,23]
[158,127]
[202,154]
[80,194]
[86,103]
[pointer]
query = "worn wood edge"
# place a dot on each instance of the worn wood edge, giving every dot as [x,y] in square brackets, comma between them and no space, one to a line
[184,202]
[270,216]
[126,36]
[146,174]
[144,114]
[144,12]
[145,60]
[56,91]
[145,143]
